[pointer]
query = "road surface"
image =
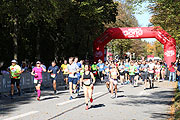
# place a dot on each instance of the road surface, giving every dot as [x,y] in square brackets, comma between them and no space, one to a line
[131,104]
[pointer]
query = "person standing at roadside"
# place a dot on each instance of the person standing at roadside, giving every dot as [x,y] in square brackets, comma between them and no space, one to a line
[172,70]
[15,72]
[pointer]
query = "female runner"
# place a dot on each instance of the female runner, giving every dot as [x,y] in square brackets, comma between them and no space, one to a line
[88,82]
[37,73]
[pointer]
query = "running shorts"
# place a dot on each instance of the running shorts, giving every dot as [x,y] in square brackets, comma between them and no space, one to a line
[151,75]
[115,82]
[126,72]
[136,74]
[65,76]
[17,81]
[39,82]
[101,74]
[106,78]
[73,80]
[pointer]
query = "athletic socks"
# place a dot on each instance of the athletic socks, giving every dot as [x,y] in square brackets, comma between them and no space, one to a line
[39,93]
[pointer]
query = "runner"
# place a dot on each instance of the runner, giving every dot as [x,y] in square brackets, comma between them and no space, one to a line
[15,72]
[94,69]
[87,78]
[132,69]
[113,80]
[121,71]
[136,78]
[163,72]
[73,78]
[65,73]
[78,75]
[126,64]
[53,70]
[158,69]
[107,76]
[37,73]
[81,73]
[100,67]
[144,73]
[151,70]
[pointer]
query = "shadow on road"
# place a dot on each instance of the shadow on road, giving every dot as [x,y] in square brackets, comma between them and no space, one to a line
[156,98]
[97,106]
[8,105]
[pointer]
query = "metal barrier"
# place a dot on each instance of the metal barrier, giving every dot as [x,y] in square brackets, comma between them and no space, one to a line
[27,81]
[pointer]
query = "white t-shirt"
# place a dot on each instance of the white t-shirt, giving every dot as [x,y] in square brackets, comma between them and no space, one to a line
[151,68]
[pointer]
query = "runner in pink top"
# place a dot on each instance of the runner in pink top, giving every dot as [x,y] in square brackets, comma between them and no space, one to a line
[37,73]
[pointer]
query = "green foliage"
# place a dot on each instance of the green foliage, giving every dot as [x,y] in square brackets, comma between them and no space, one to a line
[166,13]
[53,29]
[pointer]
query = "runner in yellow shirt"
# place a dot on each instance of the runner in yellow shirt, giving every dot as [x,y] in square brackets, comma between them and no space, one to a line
[65,72]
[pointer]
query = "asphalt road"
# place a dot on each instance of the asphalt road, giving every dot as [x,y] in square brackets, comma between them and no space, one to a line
[131,104]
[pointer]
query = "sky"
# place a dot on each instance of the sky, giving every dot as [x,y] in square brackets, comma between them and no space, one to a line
[143,18]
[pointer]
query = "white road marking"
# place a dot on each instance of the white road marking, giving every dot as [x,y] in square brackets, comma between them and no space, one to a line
[144,93]
[21,115]
[70,101]
[66,102]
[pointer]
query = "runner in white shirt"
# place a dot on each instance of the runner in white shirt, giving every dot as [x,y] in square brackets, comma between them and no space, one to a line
[158,69]
[151,73]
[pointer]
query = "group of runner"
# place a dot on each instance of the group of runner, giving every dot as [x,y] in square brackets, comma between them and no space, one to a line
[82,76]
[129,72]
[76,76]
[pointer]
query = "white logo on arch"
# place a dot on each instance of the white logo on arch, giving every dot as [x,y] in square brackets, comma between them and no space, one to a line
[169,53]
[133,32]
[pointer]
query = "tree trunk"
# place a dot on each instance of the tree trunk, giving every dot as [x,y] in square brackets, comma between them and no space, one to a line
[38,44]
[15,40]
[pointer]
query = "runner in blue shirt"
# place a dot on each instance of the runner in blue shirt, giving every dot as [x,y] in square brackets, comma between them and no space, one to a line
[100,67]
[53,70]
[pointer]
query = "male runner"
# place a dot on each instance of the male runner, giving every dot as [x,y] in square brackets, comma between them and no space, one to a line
[15,71]
[53,70]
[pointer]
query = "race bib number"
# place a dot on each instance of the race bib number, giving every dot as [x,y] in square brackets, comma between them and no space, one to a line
[53,75]
[65,70]
[35,81]
[101,66]
[87,81]
[13,69]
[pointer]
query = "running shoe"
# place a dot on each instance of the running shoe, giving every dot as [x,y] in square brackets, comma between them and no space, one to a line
[71,98]
[91,100]
[12,97]
[38,98]
[55,91]
[86,108]
[112,96]
[115,95]
[74,91]
[19,93]
[65,87]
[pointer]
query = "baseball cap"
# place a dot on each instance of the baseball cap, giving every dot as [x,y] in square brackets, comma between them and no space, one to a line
[14,61]
[38,62]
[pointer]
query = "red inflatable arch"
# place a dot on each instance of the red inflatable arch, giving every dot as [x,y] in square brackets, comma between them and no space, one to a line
[136,33]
